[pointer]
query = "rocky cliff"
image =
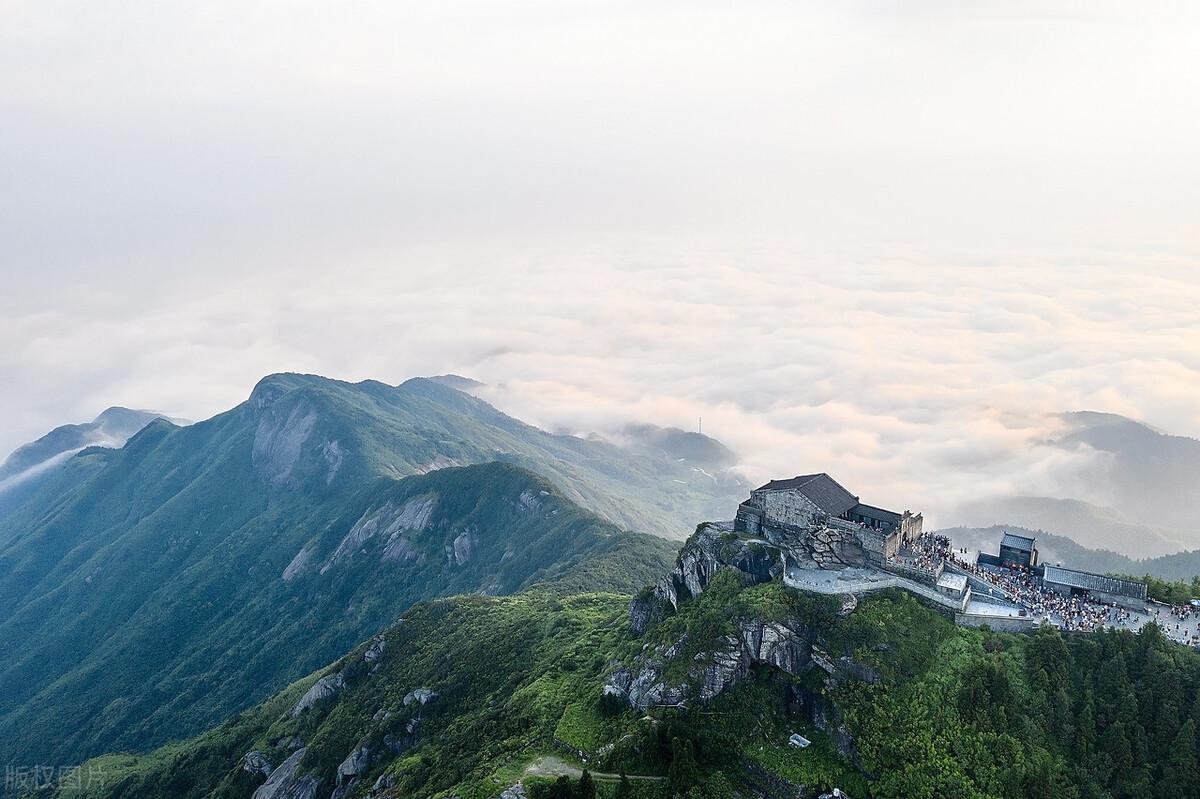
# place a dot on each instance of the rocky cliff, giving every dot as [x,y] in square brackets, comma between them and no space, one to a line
[713,546]
[677,668]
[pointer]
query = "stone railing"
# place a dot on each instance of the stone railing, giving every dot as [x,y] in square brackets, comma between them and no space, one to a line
[911,568]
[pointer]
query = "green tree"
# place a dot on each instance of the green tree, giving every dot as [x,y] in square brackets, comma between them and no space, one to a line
[683,773]
[587,788]
[561,789]
[624,789]
[1179,772]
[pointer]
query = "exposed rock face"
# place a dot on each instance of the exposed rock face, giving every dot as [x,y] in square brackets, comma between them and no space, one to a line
[421,695]
[356,764]
[327,686]
[374,652]
[464,545]
[823,714]
[390,521]
[712,548]
[279,439]
[529,501]
[298,564]
[286,782]
[786,646]
[438,462]
[398,744]
[844,668]
[400,547]
[334,456]
[290,743]
[256,763]
[643,686]
[828,548]
[384,782]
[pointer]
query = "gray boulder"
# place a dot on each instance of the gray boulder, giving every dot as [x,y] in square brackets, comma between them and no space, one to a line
[422,695]
[286,782]
[256,763]
[327,686]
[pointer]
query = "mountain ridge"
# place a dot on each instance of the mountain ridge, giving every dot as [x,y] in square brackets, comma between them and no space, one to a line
[183,522]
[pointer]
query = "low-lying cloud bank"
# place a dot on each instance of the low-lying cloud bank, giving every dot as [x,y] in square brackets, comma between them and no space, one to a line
[919,383]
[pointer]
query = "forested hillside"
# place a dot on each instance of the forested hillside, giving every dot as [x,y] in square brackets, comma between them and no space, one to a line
[469,696]
[134,649]
[148,591]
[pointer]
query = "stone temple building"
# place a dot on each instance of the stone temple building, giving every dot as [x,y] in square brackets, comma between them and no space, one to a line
[798,505]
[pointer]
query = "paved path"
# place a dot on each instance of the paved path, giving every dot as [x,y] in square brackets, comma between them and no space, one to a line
[861,581]
[553,766]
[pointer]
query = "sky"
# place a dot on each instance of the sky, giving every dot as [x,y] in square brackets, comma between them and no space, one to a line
[886,240]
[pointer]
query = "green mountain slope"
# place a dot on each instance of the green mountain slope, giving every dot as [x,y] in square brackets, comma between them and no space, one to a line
[205,606]
[468,696]
[142,590]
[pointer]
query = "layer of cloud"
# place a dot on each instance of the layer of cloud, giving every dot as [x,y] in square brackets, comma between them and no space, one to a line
[922,384]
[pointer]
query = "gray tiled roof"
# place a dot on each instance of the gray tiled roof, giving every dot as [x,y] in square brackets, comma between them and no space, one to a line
[1094,582]
[825,492]
[872,512]
[1021,542]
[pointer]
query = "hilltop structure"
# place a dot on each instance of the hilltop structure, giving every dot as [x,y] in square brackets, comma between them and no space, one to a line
[806,502]
[1018,550]
[1096,587]
[813,535]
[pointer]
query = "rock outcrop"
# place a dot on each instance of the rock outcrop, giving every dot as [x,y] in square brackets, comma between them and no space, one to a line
[256,763]
[711,548]
[278,440]
[461,550]
[327,686]
[389,521]
[299,563]
[384,782]
[828,548]
[286,782]
[374,652]
[356,764]
[421,695]
[513,792]
[785,645]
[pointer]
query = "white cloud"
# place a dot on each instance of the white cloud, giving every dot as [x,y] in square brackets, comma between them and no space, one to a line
[921,383]
[881,239]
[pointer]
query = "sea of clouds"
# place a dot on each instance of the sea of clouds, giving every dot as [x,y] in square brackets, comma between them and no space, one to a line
[920,384]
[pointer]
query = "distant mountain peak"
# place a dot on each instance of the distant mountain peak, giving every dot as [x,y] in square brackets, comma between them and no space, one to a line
[1082,421]
[457,382]
[111,429]
[680,444]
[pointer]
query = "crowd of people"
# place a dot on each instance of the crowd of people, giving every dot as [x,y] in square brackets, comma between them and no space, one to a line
[1074,613]
[1181,623]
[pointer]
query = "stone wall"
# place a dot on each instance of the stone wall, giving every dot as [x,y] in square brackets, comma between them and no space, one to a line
[748,519]
[786,507]
[1000,624]
[911,527]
